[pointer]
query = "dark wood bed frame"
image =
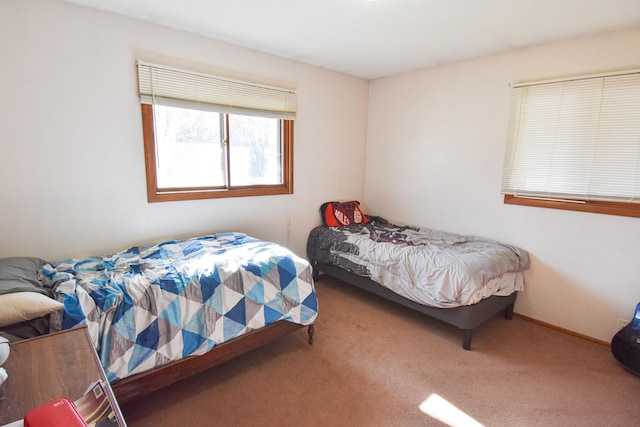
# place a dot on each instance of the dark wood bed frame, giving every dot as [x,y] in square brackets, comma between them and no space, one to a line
[466,317]
[135,386]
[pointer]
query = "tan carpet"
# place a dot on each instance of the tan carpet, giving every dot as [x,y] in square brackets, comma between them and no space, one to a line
[376,364]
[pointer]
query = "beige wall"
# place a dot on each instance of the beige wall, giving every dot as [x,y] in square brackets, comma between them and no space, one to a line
[72,169]
[435,149]
[72,176]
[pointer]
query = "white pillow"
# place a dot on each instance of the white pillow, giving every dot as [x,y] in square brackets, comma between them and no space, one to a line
[20,306]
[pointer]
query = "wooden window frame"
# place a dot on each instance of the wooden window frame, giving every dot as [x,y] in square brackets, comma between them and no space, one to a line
[593,206]
[603,93]
[155,194]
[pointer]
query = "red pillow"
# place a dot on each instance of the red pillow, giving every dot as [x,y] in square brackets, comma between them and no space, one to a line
[337,214]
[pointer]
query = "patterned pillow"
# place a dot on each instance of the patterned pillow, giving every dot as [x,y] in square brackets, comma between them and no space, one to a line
[337,214]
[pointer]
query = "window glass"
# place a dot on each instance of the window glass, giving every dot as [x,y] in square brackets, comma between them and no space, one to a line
[189,148]
[254,151]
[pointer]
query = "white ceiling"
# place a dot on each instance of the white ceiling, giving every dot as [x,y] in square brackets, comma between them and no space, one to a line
[376,38]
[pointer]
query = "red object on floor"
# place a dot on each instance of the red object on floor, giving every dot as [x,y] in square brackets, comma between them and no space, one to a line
[61,412]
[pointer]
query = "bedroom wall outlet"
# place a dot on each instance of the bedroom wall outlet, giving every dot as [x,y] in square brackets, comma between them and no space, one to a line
[622,323]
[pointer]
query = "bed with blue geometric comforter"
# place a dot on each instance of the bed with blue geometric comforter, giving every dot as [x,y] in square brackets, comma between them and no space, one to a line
[150,305]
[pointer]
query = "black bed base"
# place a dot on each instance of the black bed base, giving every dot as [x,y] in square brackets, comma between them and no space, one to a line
[466,317]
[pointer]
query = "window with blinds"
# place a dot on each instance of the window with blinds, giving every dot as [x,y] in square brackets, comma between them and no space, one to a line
[575,142]
[208,136]
[160,84]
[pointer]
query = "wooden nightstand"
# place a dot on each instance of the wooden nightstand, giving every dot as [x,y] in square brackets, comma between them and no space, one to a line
[50,367]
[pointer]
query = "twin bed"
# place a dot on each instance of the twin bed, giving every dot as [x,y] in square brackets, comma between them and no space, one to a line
[160,313]
[461,280]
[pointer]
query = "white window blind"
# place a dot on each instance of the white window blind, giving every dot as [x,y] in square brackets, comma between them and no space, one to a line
[575,139]
[183,88]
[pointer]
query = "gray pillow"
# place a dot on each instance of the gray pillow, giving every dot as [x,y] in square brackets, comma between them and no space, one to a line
[20,274]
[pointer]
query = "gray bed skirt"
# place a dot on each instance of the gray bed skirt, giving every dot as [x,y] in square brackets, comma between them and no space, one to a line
[466,317]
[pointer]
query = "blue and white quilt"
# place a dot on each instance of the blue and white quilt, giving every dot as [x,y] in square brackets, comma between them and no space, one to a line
[150,305]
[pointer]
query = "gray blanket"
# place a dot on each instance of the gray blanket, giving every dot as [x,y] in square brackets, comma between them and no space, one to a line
[427,266]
